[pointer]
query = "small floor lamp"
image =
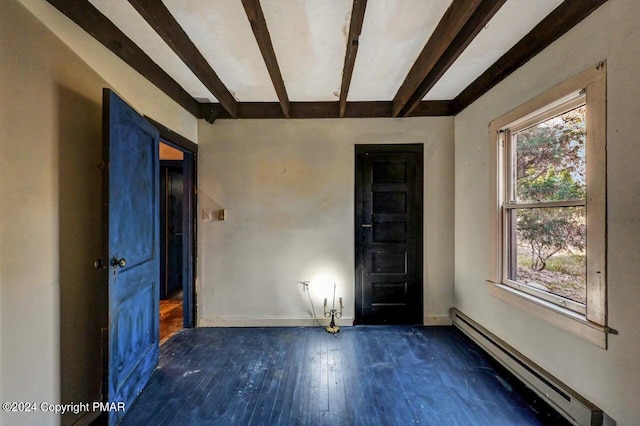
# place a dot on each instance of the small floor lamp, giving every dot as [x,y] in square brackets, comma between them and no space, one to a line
[333,313]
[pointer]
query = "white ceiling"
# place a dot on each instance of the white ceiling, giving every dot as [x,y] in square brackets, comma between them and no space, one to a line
[309,39]
[222,33]
[512,22]
[387,51]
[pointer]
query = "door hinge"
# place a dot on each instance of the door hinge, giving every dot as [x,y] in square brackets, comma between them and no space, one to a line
[99,263]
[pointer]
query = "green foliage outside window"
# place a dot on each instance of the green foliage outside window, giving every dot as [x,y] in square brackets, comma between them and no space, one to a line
[550,166]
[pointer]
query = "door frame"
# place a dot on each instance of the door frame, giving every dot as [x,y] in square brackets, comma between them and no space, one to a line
[190,173]
[417,148]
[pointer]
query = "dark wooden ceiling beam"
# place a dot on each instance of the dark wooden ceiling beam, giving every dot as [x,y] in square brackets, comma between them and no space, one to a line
[259,26]
[448,28]
[557,23]
[163,22]
[566,16]
[433,109]
[469,31]
[87,17]
[355,28]
[300,110]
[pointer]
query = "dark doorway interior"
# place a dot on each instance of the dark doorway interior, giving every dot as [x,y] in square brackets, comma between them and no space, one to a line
[171,232]
[177,233]
[388,234]
[172,239]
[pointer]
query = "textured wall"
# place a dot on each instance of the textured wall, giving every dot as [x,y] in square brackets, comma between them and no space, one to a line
[609,378]
[288,188]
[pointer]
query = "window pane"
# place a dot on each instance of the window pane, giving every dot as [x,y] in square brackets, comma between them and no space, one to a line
[550,159]
[548,250]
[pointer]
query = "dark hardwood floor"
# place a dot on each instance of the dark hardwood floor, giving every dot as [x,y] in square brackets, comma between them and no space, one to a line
[367,375]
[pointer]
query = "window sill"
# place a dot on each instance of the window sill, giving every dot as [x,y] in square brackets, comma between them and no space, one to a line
[560,317]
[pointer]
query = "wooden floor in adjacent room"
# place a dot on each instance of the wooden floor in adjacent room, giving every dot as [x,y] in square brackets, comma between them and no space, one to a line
[170,316]
[367,375]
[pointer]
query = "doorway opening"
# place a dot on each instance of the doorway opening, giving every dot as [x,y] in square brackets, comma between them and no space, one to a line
[177,233]
[172,239]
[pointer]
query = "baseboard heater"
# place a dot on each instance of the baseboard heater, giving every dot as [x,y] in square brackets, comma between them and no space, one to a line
[575,408]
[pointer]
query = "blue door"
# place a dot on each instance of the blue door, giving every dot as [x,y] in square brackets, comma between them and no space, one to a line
[131,150]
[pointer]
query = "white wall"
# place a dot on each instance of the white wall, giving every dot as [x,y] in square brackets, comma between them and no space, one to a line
[288,188]
[52,301]
[609,378]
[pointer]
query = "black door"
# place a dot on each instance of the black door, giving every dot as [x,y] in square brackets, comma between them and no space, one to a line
[388,234]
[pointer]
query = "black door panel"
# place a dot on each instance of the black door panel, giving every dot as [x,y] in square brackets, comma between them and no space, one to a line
[388,236]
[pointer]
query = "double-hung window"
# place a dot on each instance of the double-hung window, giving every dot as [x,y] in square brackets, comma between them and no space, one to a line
[549,201]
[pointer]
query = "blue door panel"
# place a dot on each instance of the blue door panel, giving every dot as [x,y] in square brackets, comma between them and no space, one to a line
[134,329]
[133,193]
[133,232]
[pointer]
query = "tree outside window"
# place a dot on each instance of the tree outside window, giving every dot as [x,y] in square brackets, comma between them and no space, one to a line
[550,242]
[548,232]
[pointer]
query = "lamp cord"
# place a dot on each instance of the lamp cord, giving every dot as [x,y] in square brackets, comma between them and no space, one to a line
[313,310]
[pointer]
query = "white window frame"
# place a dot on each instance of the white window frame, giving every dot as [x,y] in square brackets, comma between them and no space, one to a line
[588,321]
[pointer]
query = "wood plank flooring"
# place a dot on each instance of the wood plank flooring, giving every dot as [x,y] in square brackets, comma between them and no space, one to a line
[368,375]
[170,316]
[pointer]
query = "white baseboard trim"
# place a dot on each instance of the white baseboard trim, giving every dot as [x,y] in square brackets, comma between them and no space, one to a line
[270,322]
[429,320]
[437,320]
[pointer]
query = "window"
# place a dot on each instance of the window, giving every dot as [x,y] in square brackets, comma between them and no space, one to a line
[549,195]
